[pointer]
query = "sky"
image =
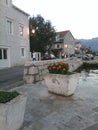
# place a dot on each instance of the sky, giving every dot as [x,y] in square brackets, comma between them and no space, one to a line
[78,16]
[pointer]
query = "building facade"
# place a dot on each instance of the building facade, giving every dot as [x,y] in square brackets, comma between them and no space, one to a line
[64,44]
[14,35]
[78,47]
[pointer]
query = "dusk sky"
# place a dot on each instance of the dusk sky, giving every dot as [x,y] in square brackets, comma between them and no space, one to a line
[78,16]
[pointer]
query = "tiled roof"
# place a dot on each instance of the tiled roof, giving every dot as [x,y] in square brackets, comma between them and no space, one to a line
[63,33]
[77,42]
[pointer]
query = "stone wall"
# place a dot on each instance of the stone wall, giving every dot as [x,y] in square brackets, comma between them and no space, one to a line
[34,70]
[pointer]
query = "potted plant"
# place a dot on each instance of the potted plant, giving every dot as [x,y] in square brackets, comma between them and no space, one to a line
[12,109]
[59,80]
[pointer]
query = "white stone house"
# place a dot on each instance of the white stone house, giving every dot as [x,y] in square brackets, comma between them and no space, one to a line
[64,43]
[14,35]
[78,47]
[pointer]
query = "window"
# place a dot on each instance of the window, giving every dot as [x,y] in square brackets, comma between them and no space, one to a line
[3,53]
[22,52]
[58,46]
[9,25]
[6,2]
[21,30]
[0,54]
[57,37]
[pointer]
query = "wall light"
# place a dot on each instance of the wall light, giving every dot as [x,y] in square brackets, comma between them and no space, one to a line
[65,46]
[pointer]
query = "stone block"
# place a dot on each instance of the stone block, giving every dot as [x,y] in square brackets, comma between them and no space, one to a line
[33,70]
[25,71]
[12,113]
[40,67]
[41,78]
[36,78]
[62,84]
[29,79]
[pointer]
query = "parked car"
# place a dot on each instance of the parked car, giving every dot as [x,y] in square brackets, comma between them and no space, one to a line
[88,57]
[78,55]
[48,57]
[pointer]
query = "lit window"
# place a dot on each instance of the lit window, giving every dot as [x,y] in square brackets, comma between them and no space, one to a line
[21,30]
[9,25]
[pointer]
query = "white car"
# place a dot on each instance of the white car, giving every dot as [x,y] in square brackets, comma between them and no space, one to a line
[91,57]
[52,56]
[88,57]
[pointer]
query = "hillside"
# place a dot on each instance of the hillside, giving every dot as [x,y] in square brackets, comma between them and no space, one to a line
[93,43]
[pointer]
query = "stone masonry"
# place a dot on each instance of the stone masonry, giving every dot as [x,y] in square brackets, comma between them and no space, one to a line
[34,70]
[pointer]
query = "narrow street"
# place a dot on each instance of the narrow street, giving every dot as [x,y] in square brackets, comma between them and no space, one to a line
[11,77]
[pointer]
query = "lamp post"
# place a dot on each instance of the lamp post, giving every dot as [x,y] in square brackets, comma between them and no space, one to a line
[33,31]
[32,37]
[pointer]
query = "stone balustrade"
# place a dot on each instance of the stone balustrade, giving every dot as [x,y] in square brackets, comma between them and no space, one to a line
[34,70]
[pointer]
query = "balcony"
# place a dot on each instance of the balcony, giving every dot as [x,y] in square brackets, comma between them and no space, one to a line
[60,40]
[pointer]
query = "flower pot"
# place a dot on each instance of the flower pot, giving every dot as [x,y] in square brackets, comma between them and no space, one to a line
[12,113]
[61,84]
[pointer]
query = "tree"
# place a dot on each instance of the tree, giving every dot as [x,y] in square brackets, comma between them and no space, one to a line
[42,34]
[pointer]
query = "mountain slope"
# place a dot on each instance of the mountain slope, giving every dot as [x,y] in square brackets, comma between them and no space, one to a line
[93,43]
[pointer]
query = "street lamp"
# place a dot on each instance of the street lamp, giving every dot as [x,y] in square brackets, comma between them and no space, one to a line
[33,31]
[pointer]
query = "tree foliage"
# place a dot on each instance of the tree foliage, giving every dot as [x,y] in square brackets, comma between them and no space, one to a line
[44,35]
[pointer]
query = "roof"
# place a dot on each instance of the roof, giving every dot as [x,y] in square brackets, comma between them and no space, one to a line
[63,33]
[21,10]
[77,42]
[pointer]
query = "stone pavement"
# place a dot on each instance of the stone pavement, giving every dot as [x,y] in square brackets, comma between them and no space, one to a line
[11,77]
[47,111]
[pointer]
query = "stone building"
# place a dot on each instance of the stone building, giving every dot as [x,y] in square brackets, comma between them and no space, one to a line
[14,35]
[78,47]
[64,44]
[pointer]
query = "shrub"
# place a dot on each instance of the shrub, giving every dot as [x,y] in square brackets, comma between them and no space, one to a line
[6,96]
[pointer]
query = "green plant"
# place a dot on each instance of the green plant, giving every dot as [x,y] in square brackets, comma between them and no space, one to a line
[6,96]
[58,68]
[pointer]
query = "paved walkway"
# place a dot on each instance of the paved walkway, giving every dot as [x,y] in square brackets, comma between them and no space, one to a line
[47,111]
[11,77]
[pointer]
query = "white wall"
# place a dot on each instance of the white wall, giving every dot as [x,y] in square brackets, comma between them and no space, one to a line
[70,41]
[13,42]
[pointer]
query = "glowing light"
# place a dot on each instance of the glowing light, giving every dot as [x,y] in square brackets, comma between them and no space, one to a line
[33,31]
[65,46]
